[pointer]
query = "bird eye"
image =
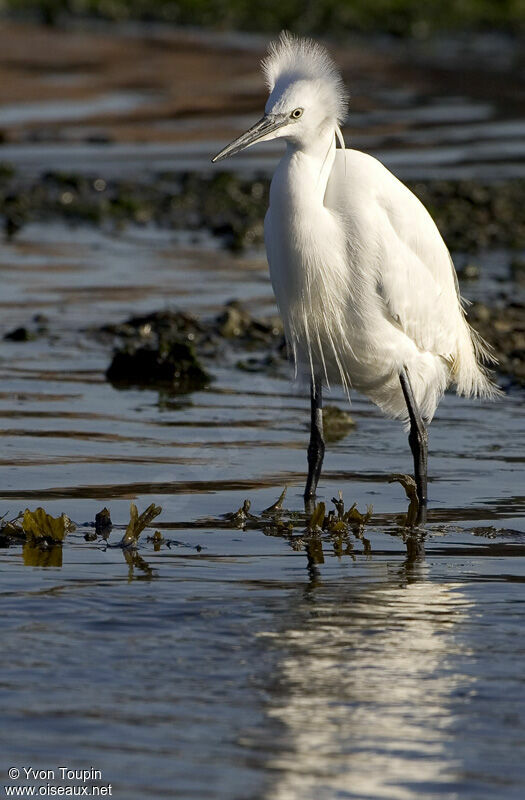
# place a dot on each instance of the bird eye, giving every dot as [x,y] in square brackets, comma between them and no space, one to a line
[296,113]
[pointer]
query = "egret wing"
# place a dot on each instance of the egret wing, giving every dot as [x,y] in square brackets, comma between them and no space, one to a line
[414,276]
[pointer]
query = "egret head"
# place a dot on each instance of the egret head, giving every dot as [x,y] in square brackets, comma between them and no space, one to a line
[307,95]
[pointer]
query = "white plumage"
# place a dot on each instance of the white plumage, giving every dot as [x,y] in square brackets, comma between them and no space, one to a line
[363,280]
[362,277]
[291,59]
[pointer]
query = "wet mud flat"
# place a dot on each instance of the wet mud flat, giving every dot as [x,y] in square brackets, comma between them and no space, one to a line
[131,98]
[232,649]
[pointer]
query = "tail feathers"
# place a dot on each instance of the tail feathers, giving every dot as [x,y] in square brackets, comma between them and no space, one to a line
[469,373]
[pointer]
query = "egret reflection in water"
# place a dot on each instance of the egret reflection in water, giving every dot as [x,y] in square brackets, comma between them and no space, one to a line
[364,695]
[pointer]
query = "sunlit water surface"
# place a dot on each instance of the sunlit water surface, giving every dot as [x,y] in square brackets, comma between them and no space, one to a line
[231,665]
[234,665]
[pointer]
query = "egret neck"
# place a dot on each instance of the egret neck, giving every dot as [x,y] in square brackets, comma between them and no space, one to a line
[309,273]
[303,172]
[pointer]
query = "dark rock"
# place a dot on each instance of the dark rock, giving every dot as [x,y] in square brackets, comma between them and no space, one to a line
[20,335]
[175,366]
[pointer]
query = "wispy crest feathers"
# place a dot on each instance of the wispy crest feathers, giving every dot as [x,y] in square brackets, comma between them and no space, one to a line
[296,58]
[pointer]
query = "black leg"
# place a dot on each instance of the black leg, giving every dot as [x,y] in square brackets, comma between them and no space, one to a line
[316,446]
[417,438]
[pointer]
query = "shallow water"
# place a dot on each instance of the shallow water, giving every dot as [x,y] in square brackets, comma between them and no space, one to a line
[232,664]
[133,99]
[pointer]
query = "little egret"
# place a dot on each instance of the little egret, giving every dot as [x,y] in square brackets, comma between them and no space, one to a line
[363,280]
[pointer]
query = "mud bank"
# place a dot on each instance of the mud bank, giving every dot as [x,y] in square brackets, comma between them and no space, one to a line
[470,215]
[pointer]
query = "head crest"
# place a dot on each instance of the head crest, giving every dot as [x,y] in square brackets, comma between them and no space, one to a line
[292,58]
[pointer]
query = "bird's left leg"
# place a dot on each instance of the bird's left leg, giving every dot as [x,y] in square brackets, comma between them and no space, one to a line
[418,440]
[316,446]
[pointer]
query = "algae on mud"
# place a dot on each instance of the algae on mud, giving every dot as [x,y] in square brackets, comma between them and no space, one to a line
[168,349]
[471,215]
[232,209]
[174,366]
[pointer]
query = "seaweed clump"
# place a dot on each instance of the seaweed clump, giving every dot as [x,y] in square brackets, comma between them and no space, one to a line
[158,349]
[471,215]
[167,348]
[40,534]
[174,365]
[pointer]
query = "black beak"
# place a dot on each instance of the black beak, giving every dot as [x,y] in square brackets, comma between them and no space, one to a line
[269,123]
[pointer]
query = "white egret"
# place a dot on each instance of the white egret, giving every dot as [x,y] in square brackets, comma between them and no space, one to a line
[363,280]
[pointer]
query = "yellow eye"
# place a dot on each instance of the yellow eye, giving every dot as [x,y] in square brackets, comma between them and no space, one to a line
[296,113]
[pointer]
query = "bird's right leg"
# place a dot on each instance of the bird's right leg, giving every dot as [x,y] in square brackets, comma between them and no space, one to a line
[316,446]
[418,440]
